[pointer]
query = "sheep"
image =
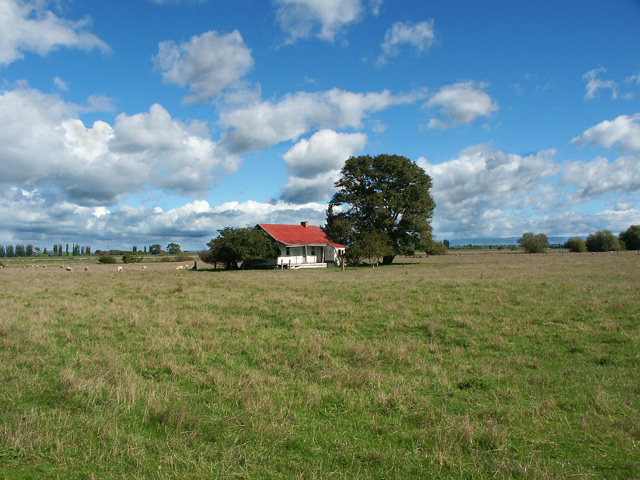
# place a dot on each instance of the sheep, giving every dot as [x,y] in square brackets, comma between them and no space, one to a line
[119,269]
[86,269]
[144,267]
[69,269]
[179,267]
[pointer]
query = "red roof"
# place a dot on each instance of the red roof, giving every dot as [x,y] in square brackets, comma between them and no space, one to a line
[297,234]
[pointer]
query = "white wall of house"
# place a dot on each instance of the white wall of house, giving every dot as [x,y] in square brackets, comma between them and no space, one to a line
[301,254]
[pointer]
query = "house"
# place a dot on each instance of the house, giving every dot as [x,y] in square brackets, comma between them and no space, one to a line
[302,246]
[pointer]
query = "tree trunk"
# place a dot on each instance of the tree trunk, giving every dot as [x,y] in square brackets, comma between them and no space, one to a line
[388,259]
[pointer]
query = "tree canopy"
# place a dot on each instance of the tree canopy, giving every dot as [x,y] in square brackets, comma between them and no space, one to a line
[386,207]
[602,241]
[173,248]
[631,237]
[534,242]
[576,245]
[241,246]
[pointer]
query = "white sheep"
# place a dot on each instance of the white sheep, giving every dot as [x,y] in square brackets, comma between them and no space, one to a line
[144,267]
[119,269]
[179,267]
[69,269]
[86,269]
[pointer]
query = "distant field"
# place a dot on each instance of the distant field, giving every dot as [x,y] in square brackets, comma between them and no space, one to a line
[459,366]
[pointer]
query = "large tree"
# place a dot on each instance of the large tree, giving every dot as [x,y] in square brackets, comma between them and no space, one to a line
[386,194]
[631,237]
[534,242]
[173,248]
[603,241]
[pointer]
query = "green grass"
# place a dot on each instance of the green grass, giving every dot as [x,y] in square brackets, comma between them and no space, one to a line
[496,366]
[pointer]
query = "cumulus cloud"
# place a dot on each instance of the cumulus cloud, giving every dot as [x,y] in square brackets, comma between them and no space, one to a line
[624,131]
[460,103]
[264,123]
[25,26]
[299,190]
[102,164]
[324,19]
[420,36]
[207,64]
[34,219]
[594,84]
[600,177]
[315,164]
[472,190]
[485,192]
[326,150]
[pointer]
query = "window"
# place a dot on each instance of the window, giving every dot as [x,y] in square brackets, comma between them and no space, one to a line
[313,251]
[288,252]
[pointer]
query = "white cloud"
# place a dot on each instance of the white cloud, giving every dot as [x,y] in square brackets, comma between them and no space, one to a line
[326,150]
[486,192]
[207,64]
[25,26]
[624,130]
[35,219]
[600,177]
[102,163]
[375,6]
[61,84]
[323,18]
[266,123]
[461,103]
[315,164]
[483,180]
[594,84]
[299,190]
[421,36]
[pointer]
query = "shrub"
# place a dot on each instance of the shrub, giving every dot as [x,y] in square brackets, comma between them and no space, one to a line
[131,258]
[107,259]
[183,257]
[575,244]
[436,248]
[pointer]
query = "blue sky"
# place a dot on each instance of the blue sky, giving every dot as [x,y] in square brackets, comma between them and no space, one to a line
[157,121]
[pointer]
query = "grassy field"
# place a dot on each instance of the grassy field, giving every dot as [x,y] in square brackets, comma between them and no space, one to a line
[487,366]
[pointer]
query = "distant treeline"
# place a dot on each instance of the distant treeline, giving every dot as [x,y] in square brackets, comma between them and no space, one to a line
[59,250]
[20,250]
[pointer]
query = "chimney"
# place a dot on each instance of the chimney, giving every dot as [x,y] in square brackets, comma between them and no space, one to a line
[304,224]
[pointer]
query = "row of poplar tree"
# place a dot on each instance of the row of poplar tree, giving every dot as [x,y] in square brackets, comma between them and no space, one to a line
[29,250]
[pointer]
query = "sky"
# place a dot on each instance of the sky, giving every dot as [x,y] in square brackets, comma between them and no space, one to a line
[131,123]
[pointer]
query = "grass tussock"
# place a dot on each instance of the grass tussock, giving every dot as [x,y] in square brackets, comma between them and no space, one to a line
[505,366]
